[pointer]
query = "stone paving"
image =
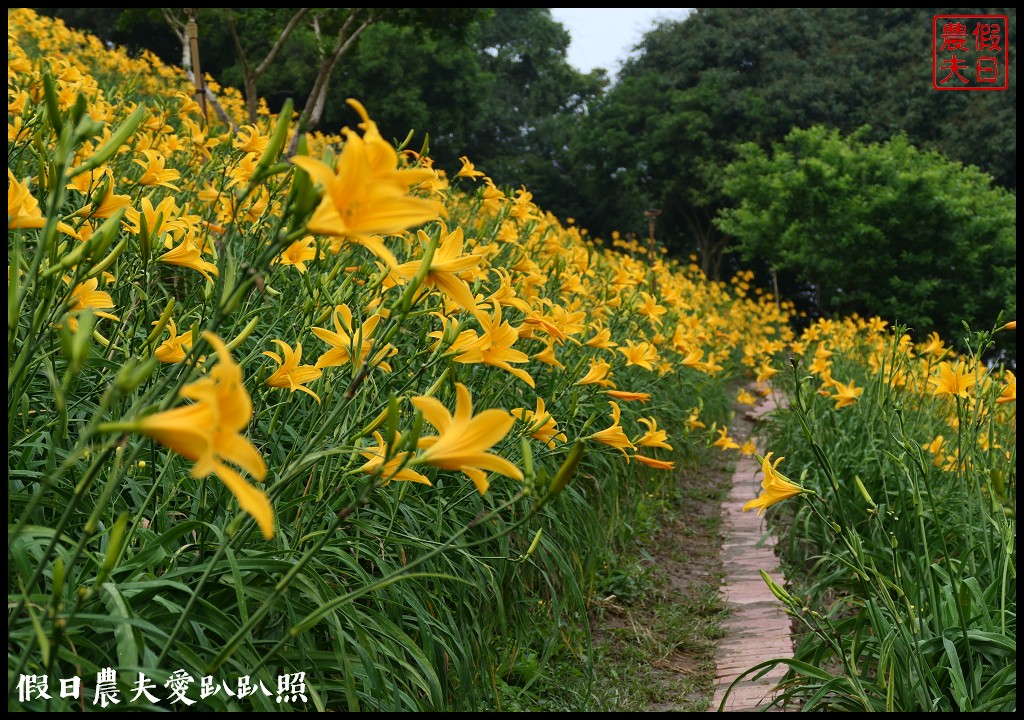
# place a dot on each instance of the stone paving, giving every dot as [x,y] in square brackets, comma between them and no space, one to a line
[757,628]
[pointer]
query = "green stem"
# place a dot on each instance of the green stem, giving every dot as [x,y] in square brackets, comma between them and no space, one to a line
[278,589]
[393,577]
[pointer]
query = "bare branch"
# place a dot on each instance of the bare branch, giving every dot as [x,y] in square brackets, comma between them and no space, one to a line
[344,28]
[315,24]
[180,29]
[292,24]
[176,24]
[343,48]
[313,110]
[242,58]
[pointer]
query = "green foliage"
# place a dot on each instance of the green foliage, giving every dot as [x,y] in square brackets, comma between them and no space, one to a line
[507,98]
[496,87]
[902,567]
[878,228]
[695,89]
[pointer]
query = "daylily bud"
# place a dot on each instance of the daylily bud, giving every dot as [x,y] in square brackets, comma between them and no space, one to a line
[566,472]
[76,346]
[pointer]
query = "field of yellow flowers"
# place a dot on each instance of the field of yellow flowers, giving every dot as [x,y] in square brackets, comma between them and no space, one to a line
[900,543]
[337,431]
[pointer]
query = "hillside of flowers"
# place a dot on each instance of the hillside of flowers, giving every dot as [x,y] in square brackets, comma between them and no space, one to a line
[337,431]
[899,463]
[335,415]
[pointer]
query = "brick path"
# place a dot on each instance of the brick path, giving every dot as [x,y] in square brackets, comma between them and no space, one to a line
[757,628]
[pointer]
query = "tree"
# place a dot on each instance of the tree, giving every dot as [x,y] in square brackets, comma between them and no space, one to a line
[492,84]
[507,97]
[330,34]
[696,89]
[410,80]
[182,23]
[350,25]
[252,73]
[878,228]
[536,97]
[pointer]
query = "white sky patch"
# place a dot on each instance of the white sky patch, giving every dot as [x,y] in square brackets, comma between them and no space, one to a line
[604,37]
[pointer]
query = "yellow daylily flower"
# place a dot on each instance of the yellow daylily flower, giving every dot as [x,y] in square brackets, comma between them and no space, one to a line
[366,194]
[602,339]
[692,359]
[935,448]
[651,309]
[352,346]
[154,171]
[249,140]
[446,264]
[492,196]
[208,432]
[172,350]
[523,207]
[746,398]
[464,438]
[776,486]
[643,354]
[628,396]
[654,463]
[876,324]
[820,365]
[298,253]
[535,320]
[108,205]
[692,423]
[242,171]
[765,373]
[163,218]
[953,382]
[711,366]
[291,375]
[23,209]
[614,435]
[186,254]
[468,170]
[935,347]
[542,425]
[85,295]
[548,356]
[653,437]
[390,469]
[85,181]
[724,441]
[598,374]
[846,394]
[506,294]
[494,346]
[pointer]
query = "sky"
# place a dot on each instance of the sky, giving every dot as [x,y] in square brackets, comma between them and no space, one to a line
[604,37]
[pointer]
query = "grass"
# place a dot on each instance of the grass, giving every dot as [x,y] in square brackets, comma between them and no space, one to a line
[656,613]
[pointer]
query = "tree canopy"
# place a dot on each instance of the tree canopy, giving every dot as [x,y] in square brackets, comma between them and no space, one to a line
[878,228]
[698,88]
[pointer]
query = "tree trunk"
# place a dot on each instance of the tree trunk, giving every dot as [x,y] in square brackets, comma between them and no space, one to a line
[314,108]
[179,29]
[711,243]
[251,74]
